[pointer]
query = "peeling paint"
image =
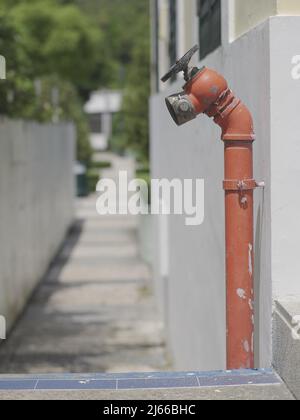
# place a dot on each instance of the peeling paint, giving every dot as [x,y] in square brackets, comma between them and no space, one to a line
[250,304]
[250,266]
[246,346]
[241,293]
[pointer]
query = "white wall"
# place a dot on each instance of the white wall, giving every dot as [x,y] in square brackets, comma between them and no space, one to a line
[36,205]
[285,156]
[258,68]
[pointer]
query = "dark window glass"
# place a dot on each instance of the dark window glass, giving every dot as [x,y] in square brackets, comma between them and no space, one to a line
[173,32]
[210,38]
[95,123]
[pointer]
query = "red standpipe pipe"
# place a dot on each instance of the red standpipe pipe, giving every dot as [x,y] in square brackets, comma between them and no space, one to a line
[209,93]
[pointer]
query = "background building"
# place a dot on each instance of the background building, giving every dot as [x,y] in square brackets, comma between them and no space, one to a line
[101,108]
[254,45]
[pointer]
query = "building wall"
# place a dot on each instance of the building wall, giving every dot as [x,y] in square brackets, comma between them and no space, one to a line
[239,16]
[36,206]
[190,281]
[285,154]
[187,22]
[289,7]
[247,14]
[250,13]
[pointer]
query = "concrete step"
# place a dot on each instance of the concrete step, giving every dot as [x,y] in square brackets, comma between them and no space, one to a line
[102,270]
[80,251]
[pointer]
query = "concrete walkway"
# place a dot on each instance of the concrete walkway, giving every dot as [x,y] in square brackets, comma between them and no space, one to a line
[94,310]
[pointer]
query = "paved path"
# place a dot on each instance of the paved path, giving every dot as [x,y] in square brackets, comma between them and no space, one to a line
[94,310]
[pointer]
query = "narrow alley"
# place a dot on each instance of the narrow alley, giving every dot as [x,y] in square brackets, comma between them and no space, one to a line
[94,310]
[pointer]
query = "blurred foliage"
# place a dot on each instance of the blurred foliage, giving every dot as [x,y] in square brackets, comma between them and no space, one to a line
[136,102]
[58,51]
[126,25]
[93,176]
[52,56]
[101,165]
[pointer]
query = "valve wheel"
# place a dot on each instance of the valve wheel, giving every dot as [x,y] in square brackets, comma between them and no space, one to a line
[180,65]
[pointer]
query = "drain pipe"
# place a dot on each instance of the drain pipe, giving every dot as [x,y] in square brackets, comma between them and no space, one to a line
[207,92]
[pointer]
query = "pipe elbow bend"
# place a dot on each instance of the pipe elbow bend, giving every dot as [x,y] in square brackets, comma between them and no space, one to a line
[208,93]
[237,125]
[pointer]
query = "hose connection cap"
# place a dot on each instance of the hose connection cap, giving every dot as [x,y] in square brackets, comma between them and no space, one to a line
[181,108]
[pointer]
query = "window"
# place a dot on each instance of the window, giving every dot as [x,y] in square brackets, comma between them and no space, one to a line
[209,12]
[173,32]
[95,123]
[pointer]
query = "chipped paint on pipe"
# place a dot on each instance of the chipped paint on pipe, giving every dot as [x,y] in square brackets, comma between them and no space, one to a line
[239,258]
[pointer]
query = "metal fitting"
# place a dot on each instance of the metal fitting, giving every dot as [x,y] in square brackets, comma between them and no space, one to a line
[181,108]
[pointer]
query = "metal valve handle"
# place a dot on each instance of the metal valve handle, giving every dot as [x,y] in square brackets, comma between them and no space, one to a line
[181,65]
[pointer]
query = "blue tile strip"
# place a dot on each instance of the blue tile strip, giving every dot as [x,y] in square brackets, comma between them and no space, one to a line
[17,384]
[157,380]
[75,385]
[188,382]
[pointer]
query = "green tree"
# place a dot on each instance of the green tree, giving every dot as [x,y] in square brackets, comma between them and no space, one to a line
[50,46]
[136,102]
[73,47]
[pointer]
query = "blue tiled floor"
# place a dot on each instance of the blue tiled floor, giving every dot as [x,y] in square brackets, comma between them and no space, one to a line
[140,380]
[17,384]
[69,384]
[154,383]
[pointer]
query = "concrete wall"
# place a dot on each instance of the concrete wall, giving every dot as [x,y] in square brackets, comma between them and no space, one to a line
[288,7]
[286,342]
[245,15]
[192,292]
[285,155]
[36,205]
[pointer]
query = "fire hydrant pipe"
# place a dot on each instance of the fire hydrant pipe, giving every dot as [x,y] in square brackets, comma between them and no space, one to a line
[238,135]
[239,257]
[207,92]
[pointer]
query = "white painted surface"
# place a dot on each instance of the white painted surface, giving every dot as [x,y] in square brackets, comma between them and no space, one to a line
[99,141]
[258,69]
[104,101]
[285,157]
[36,205]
